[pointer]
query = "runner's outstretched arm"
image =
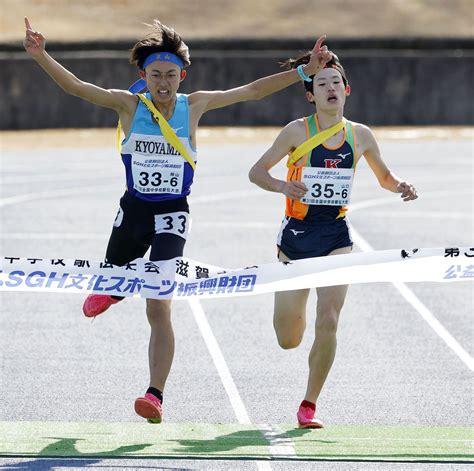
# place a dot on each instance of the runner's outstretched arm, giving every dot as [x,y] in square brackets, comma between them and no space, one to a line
[209,100]
[34,44]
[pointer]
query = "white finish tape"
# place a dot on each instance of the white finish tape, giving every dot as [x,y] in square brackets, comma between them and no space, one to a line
[183,278]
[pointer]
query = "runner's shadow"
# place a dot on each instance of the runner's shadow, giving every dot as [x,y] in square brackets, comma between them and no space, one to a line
[223,443]
[235,440]
[48,464]
[65,448]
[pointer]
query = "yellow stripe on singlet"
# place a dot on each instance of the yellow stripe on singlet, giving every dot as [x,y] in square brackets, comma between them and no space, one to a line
[314,142]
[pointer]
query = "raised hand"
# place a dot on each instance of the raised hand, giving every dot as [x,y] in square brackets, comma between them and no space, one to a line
[320,56]
[34,41]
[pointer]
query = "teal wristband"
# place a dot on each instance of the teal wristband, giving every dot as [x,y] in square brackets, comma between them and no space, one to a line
[302,75]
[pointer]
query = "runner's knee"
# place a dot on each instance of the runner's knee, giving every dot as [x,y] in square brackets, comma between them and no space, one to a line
[289,340]
[290,333]
[327,321]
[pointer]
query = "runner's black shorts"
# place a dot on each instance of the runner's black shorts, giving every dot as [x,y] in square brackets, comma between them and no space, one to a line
[140,225]
[302,239]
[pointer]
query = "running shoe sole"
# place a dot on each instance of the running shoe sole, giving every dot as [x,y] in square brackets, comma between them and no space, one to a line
[147,410]
[315,424]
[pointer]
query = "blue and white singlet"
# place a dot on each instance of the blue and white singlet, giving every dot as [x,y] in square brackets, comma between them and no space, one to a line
[155,171]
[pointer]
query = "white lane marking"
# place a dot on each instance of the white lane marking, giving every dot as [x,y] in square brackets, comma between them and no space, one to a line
[393,199]
[219,362]
[105,236]
[435,324]
[403,289]
[279,443]
[73,175]
[53,236]
[230,195]
[237,224]
[206,198]
[426,215]
[80,172]
[24,198]
[429,133]
[419,307]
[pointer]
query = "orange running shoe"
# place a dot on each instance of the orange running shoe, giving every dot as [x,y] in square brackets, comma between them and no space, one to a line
[149,407]
[96,304]
[306,418]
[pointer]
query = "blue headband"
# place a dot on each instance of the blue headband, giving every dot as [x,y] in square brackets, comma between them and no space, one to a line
[139,85]
[163,56]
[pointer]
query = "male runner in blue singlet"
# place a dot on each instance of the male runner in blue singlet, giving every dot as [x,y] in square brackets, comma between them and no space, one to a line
[154,211]
[317,191]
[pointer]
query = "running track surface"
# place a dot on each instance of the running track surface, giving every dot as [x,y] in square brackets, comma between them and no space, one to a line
[395,366]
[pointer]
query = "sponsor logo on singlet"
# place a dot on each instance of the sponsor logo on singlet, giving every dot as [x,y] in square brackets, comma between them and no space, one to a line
[332,163]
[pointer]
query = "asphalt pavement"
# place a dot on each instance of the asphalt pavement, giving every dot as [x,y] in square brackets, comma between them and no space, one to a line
[392,368]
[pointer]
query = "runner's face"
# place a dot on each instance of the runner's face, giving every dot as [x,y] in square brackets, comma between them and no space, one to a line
[163,79]
[328,90]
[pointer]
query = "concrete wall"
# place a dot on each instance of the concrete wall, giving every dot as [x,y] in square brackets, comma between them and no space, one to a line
[394,82]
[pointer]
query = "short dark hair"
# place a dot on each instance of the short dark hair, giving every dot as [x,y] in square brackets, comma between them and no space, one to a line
[161,39]
[304,59]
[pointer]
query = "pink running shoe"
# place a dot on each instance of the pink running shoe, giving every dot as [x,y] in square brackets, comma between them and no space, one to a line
[149,407]
[306,418]
[96,304]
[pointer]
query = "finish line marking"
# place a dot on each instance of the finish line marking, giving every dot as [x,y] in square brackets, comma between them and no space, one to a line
[234,441]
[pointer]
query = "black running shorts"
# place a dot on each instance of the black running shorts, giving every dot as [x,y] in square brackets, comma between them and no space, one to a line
[140,224]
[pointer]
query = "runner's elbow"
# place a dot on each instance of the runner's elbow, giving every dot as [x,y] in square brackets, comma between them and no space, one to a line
[255,174]
[252,174]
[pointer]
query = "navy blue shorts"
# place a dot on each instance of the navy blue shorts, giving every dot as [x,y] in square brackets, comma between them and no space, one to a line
[301,239]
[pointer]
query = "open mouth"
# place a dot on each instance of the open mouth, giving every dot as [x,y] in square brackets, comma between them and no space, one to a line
[163,93]
[332,99]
